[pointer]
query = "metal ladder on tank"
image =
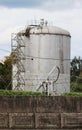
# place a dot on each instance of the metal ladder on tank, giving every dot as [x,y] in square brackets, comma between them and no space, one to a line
[17,44]
[45,85]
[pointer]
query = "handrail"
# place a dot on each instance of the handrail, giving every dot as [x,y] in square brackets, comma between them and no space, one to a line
[47,81]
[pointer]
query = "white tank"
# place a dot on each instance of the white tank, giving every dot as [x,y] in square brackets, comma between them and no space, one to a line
[46,47]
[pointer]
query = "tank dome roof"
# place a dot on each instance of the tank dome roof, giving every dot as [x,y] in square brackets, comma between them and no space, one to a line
[37,29]
[49,30]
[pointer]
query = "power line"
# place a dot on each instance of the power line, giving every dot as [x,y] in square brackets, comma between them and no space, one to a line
[4,50]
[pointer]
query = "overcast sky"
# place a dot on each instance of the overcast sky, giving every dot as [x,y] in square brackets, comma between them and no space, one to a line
[17,14]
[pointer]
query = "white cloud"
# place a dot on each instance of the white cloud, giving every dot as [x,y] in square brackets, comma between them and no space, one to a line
[61,5]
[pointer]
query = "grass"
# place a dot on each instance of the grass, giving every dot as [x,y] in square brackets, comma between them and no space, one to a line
[20,93]
[76,90]
[72,94]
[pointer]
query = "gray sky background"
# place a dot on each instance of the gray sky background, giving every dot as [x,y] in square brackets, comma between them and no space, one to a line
[17,14]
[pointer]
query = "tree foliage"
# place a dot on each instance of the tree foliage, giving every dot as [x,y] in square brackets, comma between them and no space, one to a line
[6,73]
[6,70]
[76,66]
[76,75]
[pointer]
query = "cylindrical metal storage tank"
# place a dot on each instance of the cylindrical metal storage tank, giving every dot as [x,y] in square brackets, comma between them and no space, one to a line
[46,47]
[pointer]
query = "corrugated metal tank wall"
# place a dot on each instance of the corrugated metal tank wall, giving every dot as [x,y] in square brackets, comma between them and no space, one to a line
[46,47]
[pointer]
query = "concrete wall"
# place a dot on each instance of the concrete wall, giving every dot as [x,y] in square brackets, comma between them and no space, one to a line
[36,113]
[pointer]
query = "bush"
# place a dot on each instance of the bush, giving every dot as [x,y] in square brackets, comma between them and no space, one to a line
[76,87]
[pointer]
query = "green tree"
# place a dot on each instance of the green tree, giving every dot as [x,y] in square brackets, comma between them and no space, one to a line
[2,81]
[76,74]
[76,66]
[6,73]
